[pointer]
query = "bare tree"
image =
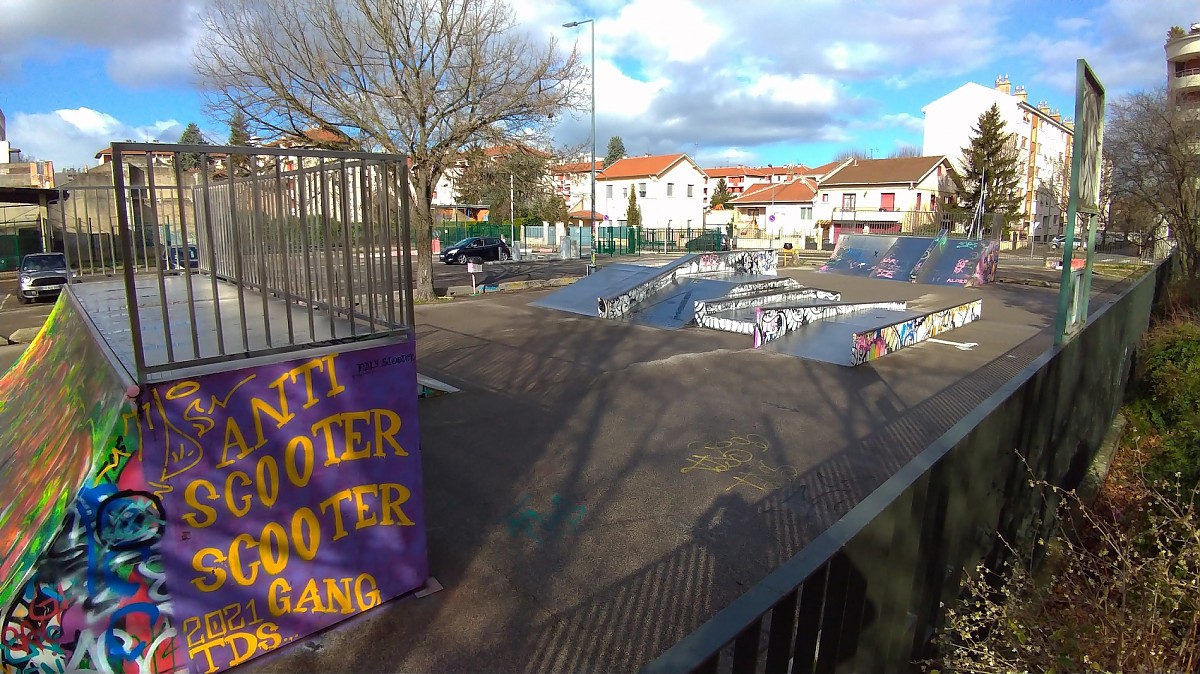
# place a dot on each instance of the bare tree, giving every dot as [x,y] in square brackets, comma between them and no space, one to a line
[1057,189]
[426,78]
[1155,147]
[905,150]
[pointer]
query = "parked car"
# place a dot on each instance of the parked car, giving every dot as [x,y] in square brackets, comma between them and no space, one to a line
[482,247]
[1058,241]
[177,259]
[42,275]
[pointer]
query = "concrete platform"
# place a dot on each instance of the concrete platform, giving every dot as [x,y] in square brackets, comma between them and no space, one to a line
[599,488]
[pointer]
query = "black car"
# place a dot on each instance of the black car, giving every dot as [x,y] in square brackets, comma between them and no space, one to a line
[42,275]
[482,247]
[178,259]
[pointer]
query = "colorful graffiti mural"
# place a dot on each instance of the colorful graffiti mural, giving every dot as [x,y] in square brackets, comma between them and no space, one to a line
[934,260]
[295,497]
[58,407]
[272,501]
[873,344]
[757,262]
[707,311]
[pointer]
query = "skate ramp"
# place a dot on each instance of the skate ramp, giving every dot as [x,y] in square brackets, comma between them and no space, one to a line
[737,312]
[905,258]
[857,254]
[773,323]
[855,338]
[580,297]
[960,262]
[60,408]
[673,306]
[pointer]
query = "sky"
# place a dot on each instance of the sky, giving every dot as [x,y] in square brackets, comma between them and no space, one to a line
[752,82]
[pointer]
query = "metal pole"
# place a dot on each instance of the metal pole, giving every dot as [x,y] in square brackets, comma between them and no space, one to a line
[512,212]
[592,215]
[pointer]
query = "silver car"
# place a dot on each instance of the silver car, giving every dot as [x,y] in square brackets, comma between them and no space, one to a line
[42,275]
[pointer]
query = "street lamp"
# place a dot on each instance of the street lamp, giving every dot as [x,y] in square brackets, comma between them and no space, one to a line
[592,209]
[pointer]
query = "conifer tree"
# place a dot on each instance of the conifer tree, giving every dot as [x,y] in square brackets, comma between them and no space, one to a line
[990,164]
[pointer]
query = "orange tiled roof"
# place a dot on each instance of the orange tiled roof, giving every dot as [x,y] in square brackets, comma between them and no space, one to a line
[730,171]
[797,191]
[642,167]
[883,171]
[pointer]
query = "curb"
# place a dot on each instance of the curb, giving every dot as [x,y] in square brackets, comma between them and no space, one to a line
[23,335]
[509,286]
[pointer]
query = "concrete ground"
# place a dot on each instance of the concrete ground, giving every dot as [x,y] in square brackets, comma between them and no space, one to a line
[598,489]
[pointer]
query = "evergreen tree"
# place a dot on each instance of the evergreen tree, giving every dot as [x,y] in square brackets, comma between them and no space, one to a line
[990,162]
[239,135]
[633,212]
[616,150]
[191,136]
[720,194]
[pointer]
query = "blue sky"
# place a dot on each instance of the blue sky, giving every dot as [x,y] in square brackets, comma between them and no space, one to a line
[753,82]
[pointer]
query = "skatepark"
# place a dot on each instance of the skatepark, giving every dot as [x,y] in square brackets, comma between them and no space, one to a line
[236,471]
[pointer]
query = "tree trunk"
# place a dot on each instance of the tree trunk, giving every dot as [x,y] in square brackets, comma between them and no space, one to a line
[422,227]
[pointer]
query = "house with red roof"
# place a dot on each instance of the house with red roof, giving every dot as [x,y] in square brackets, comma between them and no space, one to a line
[737,179]
[772,210]
[669,189]
[885,195]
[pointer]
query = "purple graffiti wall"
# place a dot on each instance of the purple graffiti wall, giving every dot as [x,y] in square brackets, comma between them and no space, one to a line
[294,496]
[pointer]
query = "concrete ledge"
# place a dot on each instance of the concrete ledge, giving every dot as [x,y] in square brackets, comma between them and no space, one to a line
[23,335]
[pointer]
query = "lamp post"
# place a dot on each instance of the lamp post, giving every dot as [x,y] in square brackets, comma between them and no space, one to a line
[592,209]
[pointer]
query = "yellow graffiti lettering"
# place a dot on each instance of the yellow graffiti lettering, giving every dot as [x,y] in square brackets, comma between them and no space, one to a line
[352,446]
[325,595]
[246,500]
[235,561]
[306,546]
[201,421]
[362,508]
[273,549]
[189,497]
[388,434]
[392,503]
[214,576]
[267,477]
[233,438]
[295,475]
[182,390]
[334,503]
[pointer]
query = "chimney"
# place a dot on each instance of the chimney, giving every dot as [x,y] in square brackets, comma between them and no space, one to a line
[1020,93]
[1056,116]
[1044,108]
[1003,85]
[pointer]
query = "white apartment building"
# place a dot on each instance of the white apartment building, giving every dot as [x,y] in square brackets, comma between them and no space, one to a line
[1043,140]
[669,188]
[1183,67]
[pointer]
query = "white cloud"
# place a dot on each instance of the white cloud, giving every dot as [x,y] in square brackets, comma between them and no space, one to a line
[71,138]
[147,42]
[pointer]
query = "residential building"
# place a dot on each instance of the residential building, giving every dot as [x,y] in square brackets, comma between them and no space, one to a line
[1183,67]
[573,182]
[669,188]
[1043,139]
[6,150]
[884,195]
[773,210]
[737,179]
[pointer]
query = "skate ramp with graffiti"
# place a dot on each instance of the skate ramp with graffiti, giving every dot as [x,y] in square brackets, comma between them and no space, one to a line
[851,338]
[673,306]
[736,312]
[618,290]
[935,260]
[961,262]
[59,406]
[195,523]
[858,254]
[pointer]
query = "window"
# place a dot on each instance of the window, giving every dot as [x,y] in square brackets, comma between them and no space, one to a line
[806,212]
[670,189]
[624,192]
[690,190]
[887,201]
[641,189]
[824,198]
[848,200]
[608,191]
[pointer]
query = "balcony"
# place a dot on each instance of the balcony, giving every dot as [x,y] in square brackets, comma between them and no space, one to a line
[1188,78]
[1183,47]
[870,215]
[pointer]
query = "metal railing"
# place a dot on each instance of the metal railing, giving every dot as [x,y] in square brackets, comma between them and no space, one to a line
[870,592]
[255,251]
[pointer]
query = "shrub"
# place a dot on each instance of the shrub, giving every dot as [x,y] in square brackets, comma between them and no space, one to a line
[1167,403]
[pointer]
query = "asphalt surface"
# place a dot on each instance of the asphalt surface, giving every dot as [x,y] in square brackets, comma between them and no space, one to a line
[626,425]
[628,429]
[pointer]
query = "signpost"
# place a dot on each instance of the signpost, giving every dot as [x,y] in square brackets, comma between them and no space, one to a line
[1083,202]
